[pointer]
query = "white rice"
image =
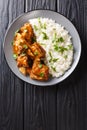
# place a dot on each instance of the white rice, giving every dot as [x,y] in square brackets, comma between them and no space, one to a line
[57,43]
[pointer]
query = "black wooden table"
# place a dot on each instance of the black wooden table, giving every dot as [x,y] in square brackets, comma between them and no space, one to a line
[60,107]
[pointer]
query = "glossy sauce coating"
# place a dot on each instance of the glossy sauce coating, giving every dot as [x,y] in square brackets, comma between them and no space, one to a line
[29,55]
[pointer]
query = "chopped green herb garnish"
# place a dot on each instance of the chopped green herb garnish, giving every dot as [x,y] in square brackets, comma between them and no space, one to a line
[50,56]
[33,39]
[15,56]
[54,60]
[56,47]
[36,53]
[60,39]
[65,56]
[50,60]
[38,18]
[25,46]
[44,25]
[62,49]
[12,43]
[45,37]
[42,43]
[40,23]
[53,68]
[55,35]
[16,31]
[23,54]
[40,66]
[50,75]
[35,27]
[54,28]
[41,74]
[56,39]
[70,46]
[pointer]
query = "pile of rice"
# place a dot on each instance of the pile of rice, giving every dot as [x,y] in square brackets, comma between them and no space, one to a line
[57,43]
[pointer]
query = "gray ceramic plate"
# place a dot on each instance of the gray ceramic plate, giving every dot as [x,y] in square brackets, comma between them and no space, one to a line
[47,14]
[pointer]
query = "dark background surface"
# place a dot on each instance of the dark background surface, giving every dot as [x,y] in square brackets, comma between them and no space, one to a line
[60,107]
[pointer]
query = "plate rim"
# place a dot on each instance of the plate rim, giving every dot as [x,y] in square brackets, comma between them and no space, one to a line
[79,54]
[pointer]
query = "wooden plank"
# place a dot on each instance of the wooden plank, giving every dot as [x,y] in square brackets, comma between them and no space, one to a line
[72,93]
[40,102]
[39,108]
[11,88]
[40,4]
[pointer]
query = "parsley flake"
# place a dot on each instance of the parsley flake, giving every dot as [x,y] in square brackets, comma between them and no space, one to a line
[41,74]
[36,53]
[15,56]
[53,68]
[40,66]
[45,37]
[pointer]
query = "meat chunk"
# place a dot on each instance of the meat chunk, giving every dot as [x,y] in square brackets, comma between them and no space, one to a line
[30,54]
[22,61]
[39,71]
[27,32]
[24,64]
[23,70]
[20,46]
[37,50]
[28,70]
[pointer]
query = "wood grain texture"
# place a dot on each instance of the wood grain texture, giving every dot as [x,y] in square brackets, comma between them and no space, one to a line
[40,102]
[11,88]
[71,94]
[41,4]
[39,108]
[28,107]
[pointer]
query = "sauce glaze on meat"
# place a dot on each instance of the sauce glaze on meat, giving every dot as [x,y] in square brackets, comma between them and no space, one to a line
[29,55]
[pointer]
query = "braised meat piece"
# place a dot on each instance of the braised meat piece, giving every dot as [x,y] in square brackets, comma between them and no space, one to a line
[37,50]
[39,71]
[20,46]
[28,54]
[17,36]
[27,32]
[23,70]
[22,61]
